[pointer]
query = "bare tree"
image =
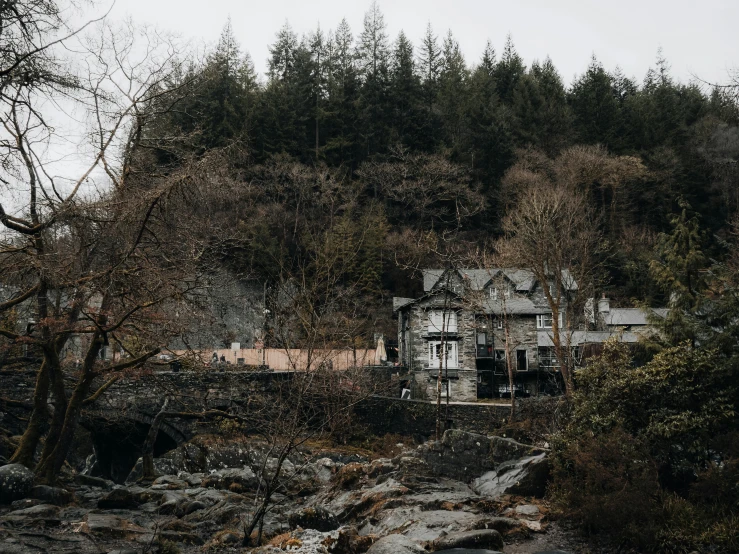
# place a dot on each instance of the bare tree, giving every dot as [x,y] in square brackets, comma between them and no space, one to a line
[97,265]
[554,232]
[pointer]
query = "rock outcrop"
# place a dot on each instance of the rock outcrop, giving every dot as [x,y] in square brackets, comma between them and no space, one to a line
[440,496]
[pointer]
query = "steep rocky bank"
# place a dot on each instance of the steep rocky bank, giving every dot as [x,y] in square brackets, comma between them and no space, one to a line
[466,491]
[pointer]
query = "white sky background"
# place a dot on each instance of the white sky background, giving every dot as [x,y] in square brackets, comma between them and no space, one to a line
[697,37]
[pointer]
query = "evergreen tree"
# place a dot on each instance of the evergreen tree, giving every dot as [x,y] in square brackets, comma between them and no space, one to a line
[430,63]
[287,103]
[508,72]
[405,94]
[429,70]
[229,85]
[341,108]
[452,92]
[542,116]
[373,58]
[594,102]
[678,270]
[488,122]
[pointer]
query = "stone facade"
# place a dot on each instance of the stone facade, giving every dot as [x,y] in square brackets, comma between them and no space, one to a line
[476,359]
[495,306]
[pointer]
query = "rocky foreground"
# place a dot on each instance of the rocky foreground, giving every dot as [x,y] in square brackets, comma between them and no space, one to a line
[466,493]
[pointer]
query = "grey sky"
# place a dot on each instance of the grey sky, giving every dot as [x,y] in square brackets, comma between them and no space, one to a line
[697,38]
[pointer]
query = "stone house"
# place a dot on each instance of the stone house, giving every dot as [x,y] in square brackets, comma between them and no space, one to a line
[460,324]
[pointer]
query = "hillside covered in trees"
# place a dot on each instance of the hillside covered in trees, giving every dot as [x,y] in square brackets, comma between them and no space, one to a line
[379,141]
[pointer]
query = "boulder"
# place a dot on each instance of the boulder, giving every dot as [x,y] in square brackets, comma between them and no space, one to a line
[111,525]
[526,477]
[118,499]
[324,469]
[464,456]
[480,538]
[243,478]
[16,482]
[42,511]
[395,544]
[162,466]
[172,502]
[52,495]
[527,510]
[317,518]
[91,481]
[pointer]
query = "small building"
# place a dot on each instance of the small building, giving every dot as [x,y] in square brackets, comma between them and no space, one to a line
[465,317]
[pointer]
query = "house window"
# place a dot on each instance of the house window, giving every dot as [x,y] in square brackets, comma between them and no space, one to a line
[500,323]
[544,321]
[437,350]
[500,363]
[547,358]
[495,292]
[442,320]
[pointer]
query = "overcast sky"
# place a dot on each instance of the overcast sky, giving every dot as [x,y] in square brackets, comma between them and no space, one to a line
[697,38]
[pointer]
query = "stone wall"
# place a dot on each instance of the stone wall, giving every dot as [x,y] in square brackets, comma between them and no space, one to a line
[382,415]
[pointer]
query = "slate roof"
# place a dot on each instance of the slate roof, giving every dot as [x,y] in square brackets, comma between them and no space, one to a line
[630,316]
[479,278]
[544,338]
[399,302]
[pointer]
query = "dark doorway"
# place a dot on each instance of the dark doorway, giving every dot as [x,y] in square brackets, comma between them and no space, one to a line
[522,362]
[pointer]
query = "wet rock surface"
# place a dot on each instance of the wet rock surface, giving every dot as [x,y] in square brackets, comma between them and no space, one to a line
[330,502]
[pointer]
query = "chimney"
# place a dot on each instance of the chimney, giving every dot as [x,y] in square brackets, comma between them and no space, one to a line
[590,310]
[604,305]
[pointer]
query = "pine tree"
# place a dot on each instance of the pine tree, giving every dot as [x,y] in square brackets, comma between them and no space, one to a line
[430,62]
[224,100]
[342,103]
[594,102]
[452,92]
[678,270]
[508,71]
[488,122]
[405,94]
[373,57]
[542,116]
[429,70]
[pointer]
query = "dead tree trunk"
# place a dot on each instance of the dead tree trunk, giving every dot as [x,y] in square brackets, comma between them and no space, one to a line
[147,450]
[40,414]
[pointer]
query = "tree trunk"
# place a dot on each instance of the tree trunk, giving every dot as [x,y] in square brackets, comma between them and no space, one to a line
[147,450]
[56,452]
[562,356]
[509,364]
[60,402]
[49,467]
[40,414]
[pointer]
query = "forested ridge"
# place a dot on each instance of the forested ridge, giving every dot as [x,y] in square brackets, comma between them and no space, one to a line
[374,136]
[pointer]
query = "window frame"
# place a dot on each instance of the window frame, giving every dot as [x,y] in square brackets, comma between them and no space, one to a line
[541,321]
[452,349]
[450,325]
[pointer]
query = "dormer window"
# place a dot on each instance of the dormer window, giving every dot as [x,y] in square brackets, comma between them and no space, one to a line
[497,292]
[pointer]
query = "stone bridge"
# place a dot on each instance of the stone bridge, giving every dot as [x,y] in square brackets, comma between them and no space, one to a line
[120,419]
